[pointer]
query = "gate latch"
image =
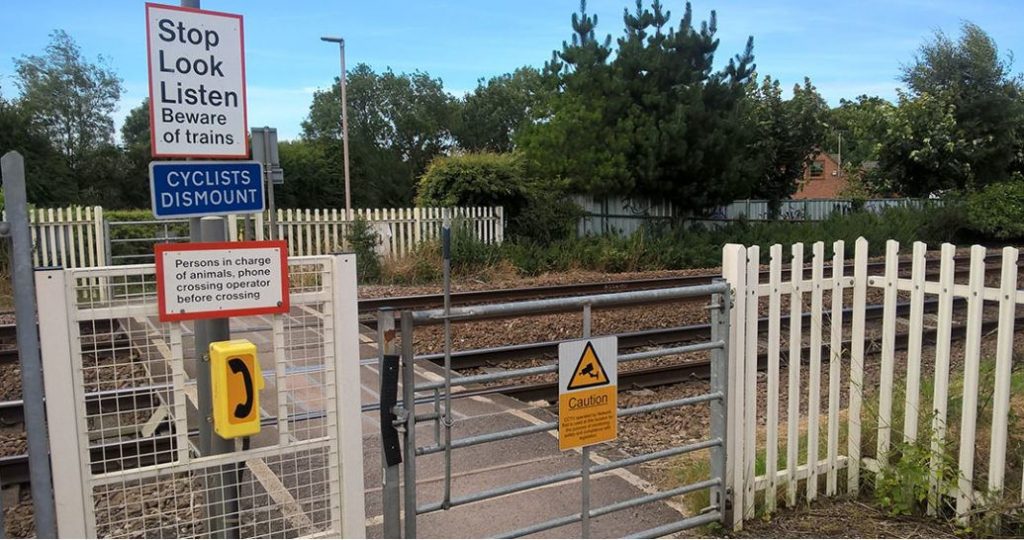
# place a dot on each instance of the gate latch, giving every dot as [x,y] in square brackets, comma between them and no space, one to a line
[390,414]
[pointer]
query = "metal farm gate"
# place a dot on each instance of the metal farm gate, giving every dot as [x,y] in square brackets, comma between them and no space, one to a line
[123,423]
[477,463]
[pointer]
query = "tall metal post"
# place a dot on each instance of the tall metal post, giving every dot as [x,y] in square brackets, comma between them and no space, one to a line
[585,465]
[222,493]
[268,176]
[720,307]
[409,403]
[446,256]
[344,124]
[344,131]
[23,282]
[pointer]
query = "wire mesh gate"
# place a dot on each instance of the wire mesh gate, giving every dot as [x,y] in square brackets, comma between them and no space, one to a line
[123,422]
[433,390]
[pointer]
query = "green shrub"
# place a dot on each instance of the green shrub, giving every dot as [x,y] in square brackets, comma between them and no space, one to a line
[538,211]
[476,179]
[997,211]
[139,251]
[363,242]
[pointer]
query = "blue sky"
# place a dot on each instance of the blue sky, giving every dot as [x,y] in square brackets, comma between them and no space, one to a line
[847,48]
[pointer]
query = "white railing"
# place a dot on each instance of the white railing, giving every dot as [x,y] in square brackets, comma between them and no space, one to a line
[866,409]
[75,237]
[399,230]
[70,237]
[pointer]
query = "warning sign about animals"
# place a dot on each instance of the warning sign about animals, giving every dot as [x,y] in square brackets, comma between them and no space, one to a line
[588,392]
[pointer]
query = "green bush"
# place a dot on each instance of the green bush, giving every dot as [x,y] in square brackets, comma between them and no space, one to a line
[363,241]
[997,211]
[535,210]
[139,251]
[475,179]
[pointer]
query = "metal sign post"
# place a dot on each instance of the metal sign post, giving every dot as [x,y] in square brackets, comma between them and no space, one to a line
[264,151]
[198,109]
[16,203]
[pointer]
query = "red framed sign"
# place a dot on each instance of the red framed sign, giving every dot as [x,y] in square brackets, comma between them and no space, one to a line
[213,280]
[197,100]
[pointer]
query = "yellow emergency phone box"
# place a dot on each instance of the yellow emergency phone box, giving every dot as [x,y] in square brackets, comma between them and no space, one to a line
[235,381]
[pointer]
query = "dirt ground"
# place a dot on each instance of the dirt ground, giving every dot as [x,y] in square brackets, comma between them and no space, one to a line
[843,518]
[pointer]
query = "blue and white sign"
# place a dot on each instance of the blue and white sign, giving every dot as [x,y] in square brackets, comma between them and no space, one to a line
[205,188]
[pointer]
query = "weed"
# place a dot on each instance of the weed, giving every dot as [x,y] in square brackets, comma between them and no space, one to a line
[363,241]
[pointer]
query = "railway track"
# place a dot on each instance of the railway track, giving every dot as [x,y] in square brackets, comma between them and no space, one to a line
[428,301]
[14,469]
[677,373]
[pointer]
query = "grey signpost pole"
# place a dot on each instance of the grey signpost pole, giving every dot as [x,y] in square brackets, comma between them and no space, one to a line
[344,124]
[16,203]
[222,493]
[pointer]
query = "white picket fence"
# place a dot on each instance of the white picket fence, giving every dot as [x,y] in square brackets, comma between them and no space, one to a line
[69,237]
[750,438]
[75,237]
[399,230]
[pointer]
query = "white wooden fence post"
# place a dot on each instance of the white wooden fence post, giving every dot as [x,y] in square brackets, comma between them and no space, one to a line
[834,362]
[796,273]
[750,380]
[912,401]
[734,263]
[940,399]
[860,282]
[892,249]
[772,417]
[1004,365]
[814,375]
[972,364]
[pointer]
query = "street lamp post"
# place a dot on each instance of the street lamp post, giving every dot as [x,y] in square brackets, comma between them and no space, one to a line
[344,123]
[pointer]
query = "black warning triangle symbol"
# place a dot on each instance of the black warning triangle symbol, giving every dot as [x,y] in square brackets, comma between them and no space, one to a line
[589,371]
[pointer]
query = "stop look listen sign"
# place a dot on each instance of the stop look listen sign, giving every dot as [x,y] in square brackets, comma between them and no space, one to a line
[196,83]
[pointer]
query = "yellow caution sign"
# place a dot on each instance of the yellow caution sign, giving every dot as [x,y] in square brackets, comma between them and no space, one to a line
[589,372]
[235,383]
[588,392]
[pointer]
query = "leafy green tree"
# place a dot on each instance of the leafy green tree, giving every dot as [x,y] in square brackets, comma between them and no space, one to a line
[47,177]
[961,124]
[786,137]
[572,137]
[495,111]
[656,121]
[863,123]
[137,155]
[397,124]
[68,97]
[313,175]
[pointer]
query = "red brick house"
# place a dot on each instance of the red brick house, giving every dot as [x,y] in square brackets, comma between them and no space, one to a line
[823,179]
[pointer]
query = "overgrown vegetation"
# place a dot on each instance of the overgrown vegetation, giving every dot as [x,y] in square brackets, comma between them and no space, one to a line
[363,241]
[902,487]
[668,247]
[998,210]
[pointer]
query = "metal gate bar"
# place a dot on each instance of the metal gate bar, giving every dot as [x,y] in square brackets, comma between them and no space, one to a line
[406,417]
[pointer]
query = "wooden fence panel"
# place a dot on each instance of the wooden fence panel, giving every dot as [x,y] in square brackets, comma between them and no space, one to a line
[755,493]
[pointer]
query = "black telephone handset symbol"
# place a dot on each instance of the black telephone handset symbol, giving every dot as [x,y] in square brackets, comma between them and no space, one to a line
[238,366]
